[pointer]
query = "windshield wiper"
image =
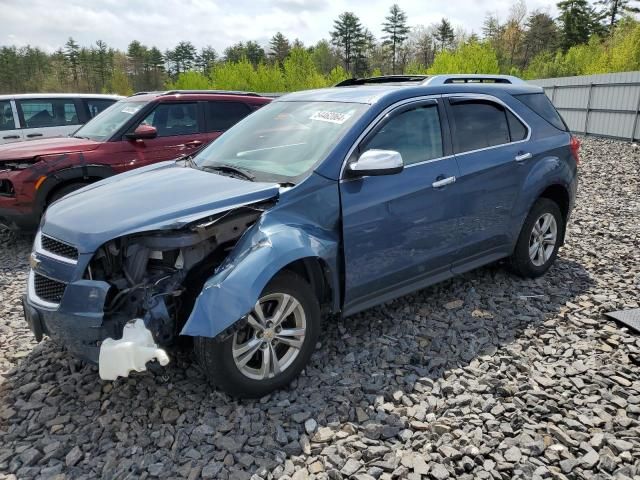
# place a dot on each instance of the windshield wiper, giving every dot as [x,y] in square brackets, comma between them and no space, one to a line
[230,170]
[189,162]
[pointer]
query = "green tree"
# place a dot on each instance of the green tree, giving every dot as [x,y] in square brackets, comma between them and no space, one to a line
[541,34]
[254,53]
[184,56]
[300,72]
[614,9]
[472,57]
[396,29]
[347,36]
[577,20]
[279,48]
[324,58]
[444,34]
[190,81]
[206,59]
[72,55]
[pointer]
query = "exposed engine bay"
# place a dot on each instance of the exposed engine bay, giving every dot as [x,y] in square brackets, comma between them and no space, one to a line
[156,276]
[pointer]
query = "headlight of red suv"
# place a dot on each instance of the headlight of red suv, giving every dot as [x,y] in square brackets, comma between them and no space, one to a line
[17,164]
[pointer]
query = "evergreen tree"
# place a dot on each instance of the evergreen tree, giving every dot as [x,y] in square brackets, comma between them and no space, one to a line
[444,34]
[72,55]
[184,56]
[254,53]
[279,48]
[577,21]
[396,30]
[103,64]
[614,9]
[541,34]
[206,59]
[347,37]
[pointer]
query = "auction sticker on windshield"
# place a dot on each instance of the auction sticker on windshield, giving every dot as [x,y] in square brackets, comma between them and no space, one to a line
[331,117]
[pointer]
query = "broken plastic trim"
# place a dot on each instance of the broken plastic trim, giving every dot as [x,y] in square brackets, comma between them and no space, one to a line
[118,358]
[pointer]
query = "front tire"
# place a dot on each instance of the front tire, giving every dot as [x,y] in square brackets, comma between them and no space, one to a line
[66,190]
[274,346]
[539,240]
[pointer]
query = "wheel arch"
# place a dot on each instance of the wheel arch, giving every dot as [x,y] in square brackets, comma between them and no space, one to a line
[62,178]
[261,254]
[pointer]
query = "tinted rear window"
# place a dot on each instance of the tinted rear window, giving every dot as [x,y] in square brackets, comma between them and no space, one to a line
[540,103]
[478,124]
[223,115]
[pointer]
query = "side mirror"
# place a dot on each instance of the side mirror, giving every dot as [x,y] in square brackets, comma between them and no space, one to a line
[143,132]
[376,162]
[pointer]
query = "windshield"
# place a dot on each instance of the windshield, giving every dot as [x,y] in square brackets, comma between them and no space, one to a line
[282,141]
[109,121]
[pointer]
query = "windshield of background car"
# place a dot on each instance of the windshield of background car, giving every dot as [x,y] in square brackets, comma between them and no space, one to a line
[109,121]
[282,141]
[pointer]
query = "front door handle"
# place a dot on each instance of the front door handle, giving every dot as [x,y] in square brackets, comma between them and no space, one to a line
[522,156]
[443,182]
[10,137]
[194,143]
[31,135]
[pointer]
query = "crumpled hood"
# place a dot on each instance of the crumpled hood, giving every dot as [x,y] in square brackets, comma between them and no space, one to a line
[45,146]
[162,196]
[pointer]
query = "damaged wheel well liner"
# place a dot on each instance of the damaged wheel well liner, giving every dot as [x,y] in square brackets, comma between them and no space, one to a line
[315,271]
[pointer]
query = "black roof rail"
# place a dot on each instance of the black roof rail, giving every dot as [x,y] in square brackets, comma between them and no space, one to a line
[383,79]
[219,92]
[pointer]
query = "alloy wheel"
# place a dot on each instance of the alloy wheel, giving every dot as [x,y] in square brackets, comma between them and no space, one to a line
[542,240]
[272,338]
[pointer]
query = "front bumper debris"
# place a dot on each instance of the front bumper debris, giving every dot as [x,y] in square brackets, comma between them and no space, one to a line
[118,358]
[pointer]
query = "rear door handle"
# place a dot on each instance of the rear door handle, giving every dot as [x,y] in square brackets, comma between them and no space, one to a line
[444,182]
[195,143]
[521,157]
[31,135]
[10,137]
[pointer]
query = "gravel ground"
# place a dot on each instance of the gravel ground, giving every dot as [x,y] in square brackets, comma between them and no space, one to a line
[484,376]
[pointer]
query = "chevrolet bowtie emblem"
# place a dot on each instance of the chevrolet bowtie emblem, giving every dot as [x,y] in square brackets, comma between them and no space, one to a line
[34,261]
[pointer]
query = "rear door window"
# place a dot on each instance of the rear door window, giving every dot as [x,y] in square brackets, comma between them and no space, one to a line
[223,115]
[479,124]
[540,104]
[7,122]
[171,119]
[96,105]
[39,113]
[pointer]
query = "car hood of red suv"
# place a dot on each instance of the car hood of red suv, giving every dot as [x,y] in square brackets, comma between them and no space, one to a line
[45,146]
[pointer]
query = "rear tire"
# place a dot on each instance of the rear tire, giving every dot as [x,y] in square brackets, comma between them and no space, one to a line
[272,349]
[539,240]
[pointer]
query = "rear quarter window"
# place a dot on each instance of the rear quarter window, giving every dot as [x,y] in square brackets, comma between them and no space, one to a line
[541,105]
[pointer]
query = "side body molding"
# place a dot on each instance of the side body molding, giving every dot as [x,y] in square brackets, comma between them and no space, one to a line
[305,224]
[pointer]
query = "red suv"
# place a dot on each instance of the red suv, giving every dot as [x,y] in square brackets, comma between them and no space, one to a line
[137,131]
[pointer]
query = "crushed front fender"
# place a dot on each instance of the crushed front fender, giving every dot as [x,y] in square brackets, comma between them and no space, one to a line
[305,224]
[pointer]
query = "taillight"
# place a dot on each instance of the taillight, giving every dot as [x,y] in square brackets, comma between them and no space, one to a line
[574,145]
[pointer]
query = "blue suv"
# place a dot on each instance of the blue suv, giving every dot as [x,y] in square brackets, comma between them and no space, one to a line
[323,202]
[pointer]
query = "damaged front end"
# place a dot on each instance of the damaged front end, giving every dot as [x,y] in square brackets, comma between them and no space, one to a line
[151,277]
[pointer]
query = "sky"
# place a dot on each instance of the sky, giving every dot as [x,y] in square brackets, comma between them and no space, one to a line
[220,23]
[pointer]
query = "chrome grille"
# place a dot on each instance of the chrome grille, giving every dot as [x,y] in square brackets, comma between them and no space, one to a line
[48,289]
[59,248]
